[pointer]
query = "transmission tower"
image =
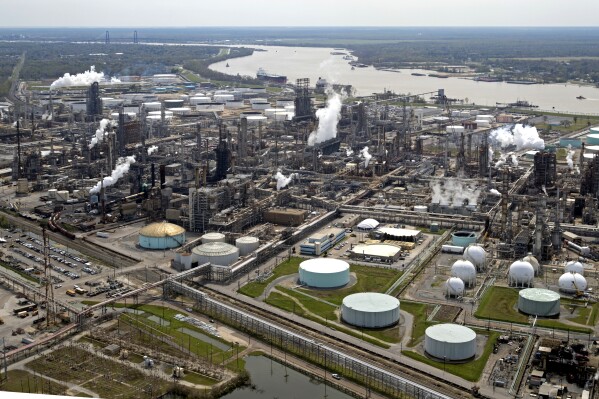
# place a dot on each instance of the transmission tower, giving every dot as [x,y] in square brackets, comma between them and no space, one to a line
[50,313]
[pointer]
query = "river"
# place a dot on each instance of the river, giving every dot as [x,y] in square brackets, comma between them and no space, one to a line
[315,62]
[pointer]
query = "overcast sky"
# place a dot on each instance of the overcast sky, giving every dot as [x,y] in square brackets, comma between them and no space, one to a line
[156,13]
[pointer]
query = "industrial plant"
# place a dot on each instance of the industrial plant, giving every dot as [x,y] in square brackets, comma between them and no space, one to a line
[411,243]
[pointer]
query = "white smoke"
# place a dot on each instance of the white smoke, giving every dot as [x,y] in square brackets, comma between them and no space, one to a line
[101,131]
[327,120]
[152,149]
[122,167]
[502,160]
[83,79]
[523,137]
[569,157]
[454,192]
[495,192]
[366,155]
[349,152]
[514,159]
[283,181]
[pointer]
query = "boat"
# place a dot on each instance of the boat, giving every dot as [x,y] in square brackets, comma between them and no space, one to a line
[227,64]
[581,98]
[263,75]
[352,68]
[487,79]
[436,75]
[418,74]
[521,82]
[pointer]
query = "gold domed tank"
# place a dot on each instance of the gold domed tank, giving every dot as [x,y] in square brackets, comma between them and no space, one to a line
[161,235]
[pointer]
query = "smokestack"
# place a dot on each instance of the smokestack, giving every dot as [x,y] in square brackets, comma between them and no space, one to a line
[162,175]
[153,175]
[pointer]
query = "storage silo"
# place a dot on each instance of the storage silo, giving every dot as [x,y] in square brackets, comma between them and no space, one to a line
[173,103]
[533,261]
[477,255]
[370,310]
[572,283]
[575,267]
[454,287]
[463,238]
[464,270]
[247,245]
[539,302]
[161,236]
[212,237]
[521,274]
[217,253]
[199,100]
[593,137]
[324,273]
[451,342]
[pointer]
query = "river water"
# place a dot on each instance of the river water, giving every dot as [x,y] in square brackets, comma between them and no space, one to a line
[314,62]
[270,382]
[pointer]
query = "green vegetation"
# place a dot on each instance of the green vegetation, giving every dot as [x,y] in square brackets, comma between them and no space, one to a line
[198,379]
[420,312]
[23,381]
[21,273]
[470,371]
[500,303]
[255,288]
[315,306]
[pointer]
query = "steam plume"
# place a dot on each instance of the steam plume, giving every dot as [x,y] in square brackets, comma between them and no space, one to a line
[283,181]
[122,167]
[366,155]
[514,159]
[152,149]
[327,120]
[104,124]
[454,192]
[495,192]
[569,157]
[83,79]
[349,152]
[523,137]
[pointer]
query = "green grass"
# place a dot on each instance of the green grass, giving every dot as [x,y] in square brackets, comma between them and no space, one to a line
[470,371]
[21,273]
[198,379]
[420,312]
[369,279]
[255,288]
[317,307]
[280,301]
[23,381]
[499,303]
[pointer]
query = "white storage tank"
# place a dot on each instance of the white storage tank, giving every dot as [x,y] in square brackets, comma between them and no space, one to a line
[212,237]
[210,107]
[262,106]
[482,123]
[521,274]
[173,103]
[258,100]
[247,245]
[454,129]
[199,100]
[575,267]
[161,236]
[256,119]
[223,97]
[533,261]
[420,208]
[167,114]
[572,283]
[465,270]
[489,118]
[285,102]
[539,302]
[234,104]
[112,102]
[217,253]
[370,310]
[79,106]
[181,111]
[186,259]
[477,255]
[451,342]
[454,287]
[152,106]
[324,273]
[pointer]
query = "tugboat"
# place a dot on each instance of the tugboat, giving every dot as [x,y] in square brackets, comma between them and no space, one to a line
[263,75]
[227,65]
[581,98]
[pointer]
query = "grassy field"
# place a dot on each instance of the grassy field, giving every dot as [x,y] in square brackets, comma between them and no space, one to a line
[470,371]
[499,303]
[420,312]
[23,381]
[369,279]
[317,307]
[255,288]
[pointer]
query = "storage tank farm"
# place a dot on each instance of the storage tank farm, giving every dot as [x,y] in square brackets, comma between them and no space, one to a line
[533,262]
[521,274]
[477,255]
[574,266]
[161,236]
[370,310]
[324,273]
[465,270]
[572,283]
[539,302]
[454,287]
[450,342]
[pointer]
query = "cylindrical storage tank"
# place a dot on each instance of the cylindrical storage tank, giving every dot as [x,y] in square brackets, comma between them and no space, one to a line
[489,118]
[79,106]
[256,119]
[186,259]
[217,253]
[482,123]
[181,111]
[173,103]
[592,149]
[184,97]
[324,273]
[465,114]
[234,104]
[247,245]
[477,255]
[263,106]
[159,113]
[533,261]
[454,287]
[593,138]
[212,237]
[454,129]
[539,302]
[594,130]
[161,236]
[284,102]
[450,342]
[521,274]
[223,97]
[572,267]
[566,142]
[463,238]
[370,310]
[152,106]
[270,112]
[572,283]
[52,193]
[420,208]
[455,112]
[112,102]
[258,100]
[199,100]
[210,107]
[281,116]
[464,270]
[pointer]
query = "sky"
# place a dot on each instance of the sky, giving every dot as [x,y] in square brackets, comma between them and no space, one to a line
[165,13]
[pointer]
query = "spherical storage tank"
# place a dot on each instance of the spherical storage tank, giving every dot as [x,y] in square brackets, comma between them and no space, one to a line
[572,282]
[533,261]
[161,236]
[247,245]
[575,267]
[217,253]
[212,237]
[464,270]
[370,310]
[454,286]
[324,273]
[521,274]
[450,342]
[477,255]
[538,302]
